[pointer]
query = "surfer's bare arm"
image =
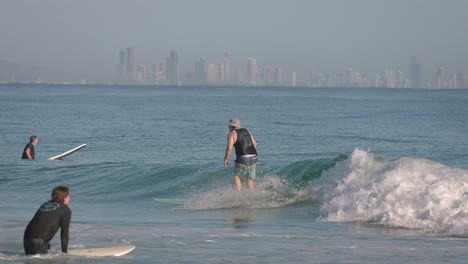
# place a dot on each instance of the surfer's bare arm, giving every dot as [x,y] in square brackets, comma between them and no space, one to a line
[230,143]
[254,143]
[28,153]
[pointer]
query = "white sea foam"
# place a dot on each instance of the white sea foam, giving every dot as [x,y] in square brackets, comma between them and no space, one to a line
[408,192]
[15,256]
[270,192]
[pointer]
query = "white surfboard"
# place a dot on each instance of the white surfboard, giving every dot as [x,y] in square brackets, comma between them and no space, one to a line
[68,152]
[102,252]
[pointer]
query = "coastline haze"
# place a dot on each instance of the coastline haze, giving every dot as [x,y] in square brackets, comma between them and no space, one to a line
[324,36]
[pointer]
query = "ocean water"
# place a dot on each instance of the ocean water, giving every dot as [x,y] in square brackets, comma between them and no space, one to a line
[344,175]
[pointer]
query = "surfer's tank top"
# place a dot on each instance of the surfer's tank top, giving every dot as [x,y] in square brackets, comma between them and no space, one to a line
[31,151]
[243,143]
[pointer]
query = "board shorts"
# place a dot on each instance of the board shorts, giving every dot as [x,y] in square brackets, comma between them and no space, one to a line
[245,166]
[34,246]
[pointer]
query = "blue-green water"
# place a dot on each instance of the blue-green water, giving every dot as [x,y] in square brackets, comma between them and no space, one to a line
[344,175]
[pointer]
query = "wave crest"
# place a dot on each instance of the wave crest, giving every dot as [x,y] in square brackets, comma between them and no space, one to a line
[408,192]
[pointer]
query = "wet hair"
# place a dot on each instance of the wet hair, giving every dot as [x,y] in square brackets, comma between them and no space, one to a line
[60,193]
[32,138]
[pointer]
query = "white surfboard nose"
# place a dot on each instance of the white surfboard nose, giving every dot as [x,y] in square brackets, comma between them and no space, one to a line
[102,252]
[68,152]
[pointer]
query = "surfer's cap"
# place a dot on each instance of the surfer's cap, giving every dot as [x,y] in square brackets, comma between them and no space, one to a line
[235,122]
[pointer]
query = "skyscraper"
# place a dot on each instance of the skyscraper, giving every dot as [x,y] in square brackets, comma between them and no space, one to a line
[173,68]
[238,77]
[459,80]
[221,72]
[130,64]
[377,81]
[252,71]
[439,79]
[415,73]
[123,65]
[211,73]
[279,75]
[155,74]
[400,79]
[227,67]
[349,78]
[389,79]
[268,75]
[293,79]
[201,71]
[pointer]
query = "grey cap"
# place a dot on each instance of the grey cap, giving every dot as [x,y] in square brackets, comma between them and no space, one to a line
[235,122]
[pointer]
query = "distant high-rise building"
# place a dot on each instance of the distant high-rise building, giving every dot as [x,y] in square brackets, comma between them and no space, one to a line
[416,73]
[167,67]
[389,79]
[162,74]
[356,79]
[293,79]
[123,65]
[400,79]
[227,67]
[173,68]
[365,82]
[127,65]
[460,81]
[339,79]
[155,74]
[309,80]
[201,71]
[268,75]
[439,79]
[252,71]
[239,79]
[211,73]
[279,75]
[221,72]
[130,64]
[349,78]
[377,81]
[142,75]
[327,81]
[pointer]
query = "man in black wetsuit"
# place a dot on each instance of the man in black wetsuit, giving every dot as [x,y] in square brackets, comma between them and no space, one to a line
[28,152]
[51,216]
[246,153]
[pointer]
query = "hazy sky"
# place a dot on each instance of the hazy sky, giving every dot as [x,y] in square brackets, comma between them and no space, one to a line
[303,35]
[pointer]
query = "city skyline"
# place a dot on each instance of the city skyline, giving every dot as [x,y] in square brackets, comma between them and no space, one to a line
[81,38]
[219,73]
[205,72]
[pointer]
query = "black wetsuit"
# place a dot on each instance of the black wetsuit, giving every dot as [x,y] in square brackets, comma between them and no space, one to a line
[48,219]
[31,151]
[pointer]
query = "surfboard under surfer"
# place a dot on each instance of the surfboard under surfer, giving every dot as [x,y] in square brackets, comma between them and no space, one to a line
[246,153]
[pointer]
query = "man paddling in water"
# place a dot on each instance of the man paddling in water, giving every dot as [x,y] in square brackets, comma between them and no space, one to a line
[51,216]
[28,152]
[246,153]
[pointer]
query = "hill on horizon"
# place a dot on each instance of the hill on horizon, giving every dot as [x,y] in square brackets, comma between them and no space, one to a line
[26,73]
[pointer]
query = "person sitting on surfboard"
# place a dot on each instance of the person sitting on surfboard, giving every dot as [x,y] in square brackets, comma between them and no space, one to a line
[28,152]
[51,216]
[246,153]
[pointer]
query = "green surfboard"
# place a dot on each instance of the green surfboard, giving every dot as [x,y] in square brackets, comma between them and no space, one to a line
[171,201]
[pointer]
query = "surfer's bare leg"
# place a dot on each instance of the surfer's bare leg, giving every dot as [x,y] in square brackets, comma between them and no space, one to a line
[238,183]
[250,183]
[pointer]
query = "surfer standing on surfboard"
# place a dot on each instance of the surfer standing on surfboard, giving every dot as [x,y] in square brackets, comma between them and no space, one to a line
[246,153]
[28,152]
[51,216]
